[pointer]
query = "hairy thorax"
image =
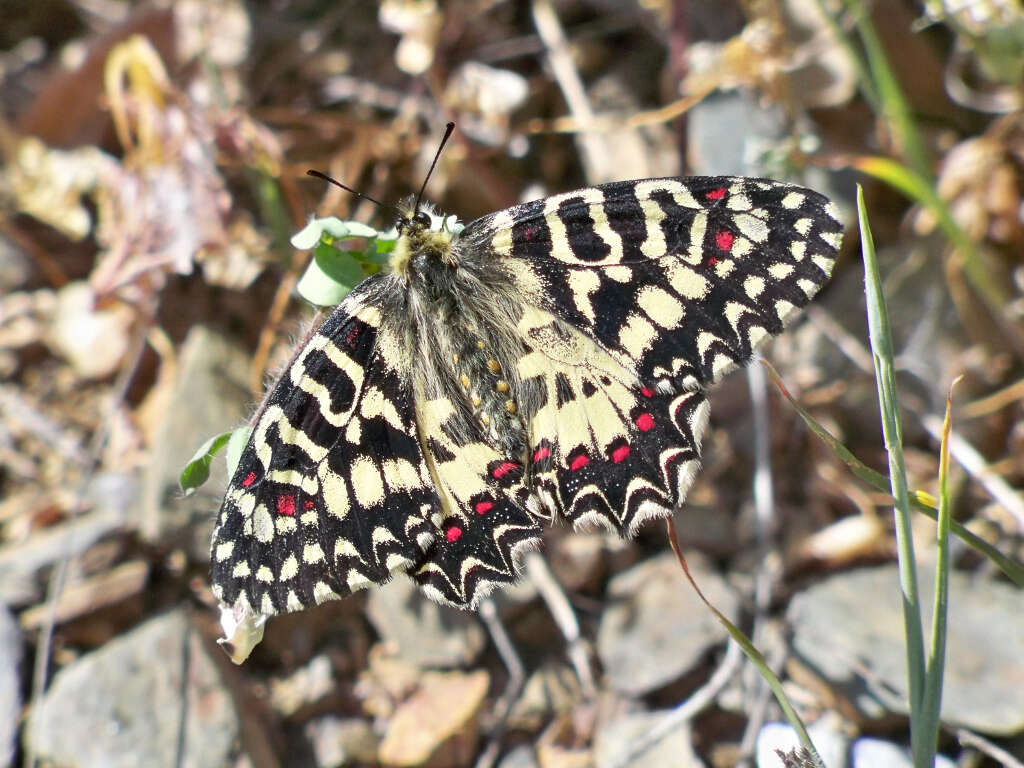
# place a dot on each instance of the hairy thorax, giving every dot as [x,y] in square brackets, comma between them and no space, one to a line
[459,318]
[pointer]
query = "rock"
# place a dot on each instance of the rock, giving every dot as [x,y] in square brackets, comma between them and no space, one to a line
[727,131]
[123,704]
[421,631]
[15,266]
[303,687]
[674,750]
[436,726]
[209,396]
[875,753]
[549,691]
[10,685]
[826,734]
[848,632]
[91,338]
[655,628]
[338,741]
[520,757]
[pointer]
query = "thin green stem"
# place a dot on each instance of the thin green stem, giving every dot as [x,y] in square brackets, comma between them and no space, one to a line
[885,379]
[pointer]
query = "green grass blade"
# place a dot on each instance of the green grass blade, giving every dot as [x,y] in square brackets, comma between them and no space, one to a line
[919,500]
[755,656]
[931,705]
[885,380]
[894,106]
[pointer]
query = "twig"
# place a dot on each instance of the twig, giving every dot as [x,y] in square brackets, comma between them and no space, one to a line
[592,148]
[971,739]
[516,676]
[977,466]
[562,612]
[765,516]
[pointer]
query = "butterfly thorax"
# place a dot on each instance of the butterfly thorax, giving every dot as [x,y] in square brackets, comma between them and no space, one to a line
[460,313]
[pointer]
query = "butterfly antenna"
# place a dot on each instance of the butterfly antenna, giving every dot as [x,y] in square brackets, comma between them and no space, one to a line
[444,140]
[337,183]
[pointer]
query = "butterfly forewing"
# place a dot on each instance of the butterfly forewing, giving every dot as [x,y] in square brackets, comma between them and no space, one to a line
[679,278]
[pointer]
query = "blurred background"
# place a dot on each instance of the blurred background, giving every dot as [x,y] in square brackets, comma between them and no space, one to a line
[154,159]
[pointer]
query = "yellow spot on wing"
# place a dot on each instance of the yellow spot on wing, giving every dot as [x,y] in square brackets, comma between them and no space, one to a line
[367,484]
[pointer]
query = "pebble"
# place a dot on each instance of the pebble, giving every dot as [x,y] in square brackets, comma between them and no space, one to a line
[340,741]
[674,750]
[848,632]
[421,631]
[209,396]
[124,704]
[655,628]
[437,723]
[10,685]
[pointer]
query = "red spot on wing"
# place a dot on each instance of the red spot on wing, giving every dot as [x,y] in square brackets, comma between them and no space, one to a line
[453,534]
[249,480]
[712,261]
[644,422]
[541,453]
[352,336]
[715,194]
[286,504]
[579,462]
[620,453]
[504,468]
[647,392]
[724,239]
[483,507]
[308,504]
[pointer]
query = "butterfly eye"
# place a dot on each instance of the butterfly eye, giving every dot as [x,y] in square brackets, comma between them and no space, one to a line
[422,219]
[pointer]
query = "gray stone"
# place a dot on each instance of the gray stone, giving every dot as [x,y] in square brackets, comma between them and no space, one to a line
[10,686]
[152,697]
[655,628]
[421,631]
[338,741]
[729,131]
[15,266]
[210,396]
[875,753]
[616,739]
[826,734]
[848,630]
[520,757]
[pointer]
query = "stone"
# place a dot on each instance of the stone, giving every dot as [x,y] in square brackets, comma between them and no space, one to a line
[421,631]
[549,691]
[339,741]
[437,725]
[209,395]
[520,757]
[122,705]
[673,750]
[876,753]
[655,628]
[826,734]
[848,633]
[10,685]
[305,686]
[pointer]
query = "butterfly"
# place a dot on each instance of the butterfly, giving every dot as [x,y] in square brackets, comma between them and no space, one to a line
[549,361]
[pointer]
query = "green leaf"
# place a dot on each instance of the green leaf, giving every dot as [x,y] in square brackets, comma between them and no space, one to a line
[197,470]
[236,444]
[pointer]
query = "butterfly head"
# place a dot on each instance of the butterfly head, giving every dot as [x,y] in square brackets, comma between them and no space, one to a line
[423,235]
